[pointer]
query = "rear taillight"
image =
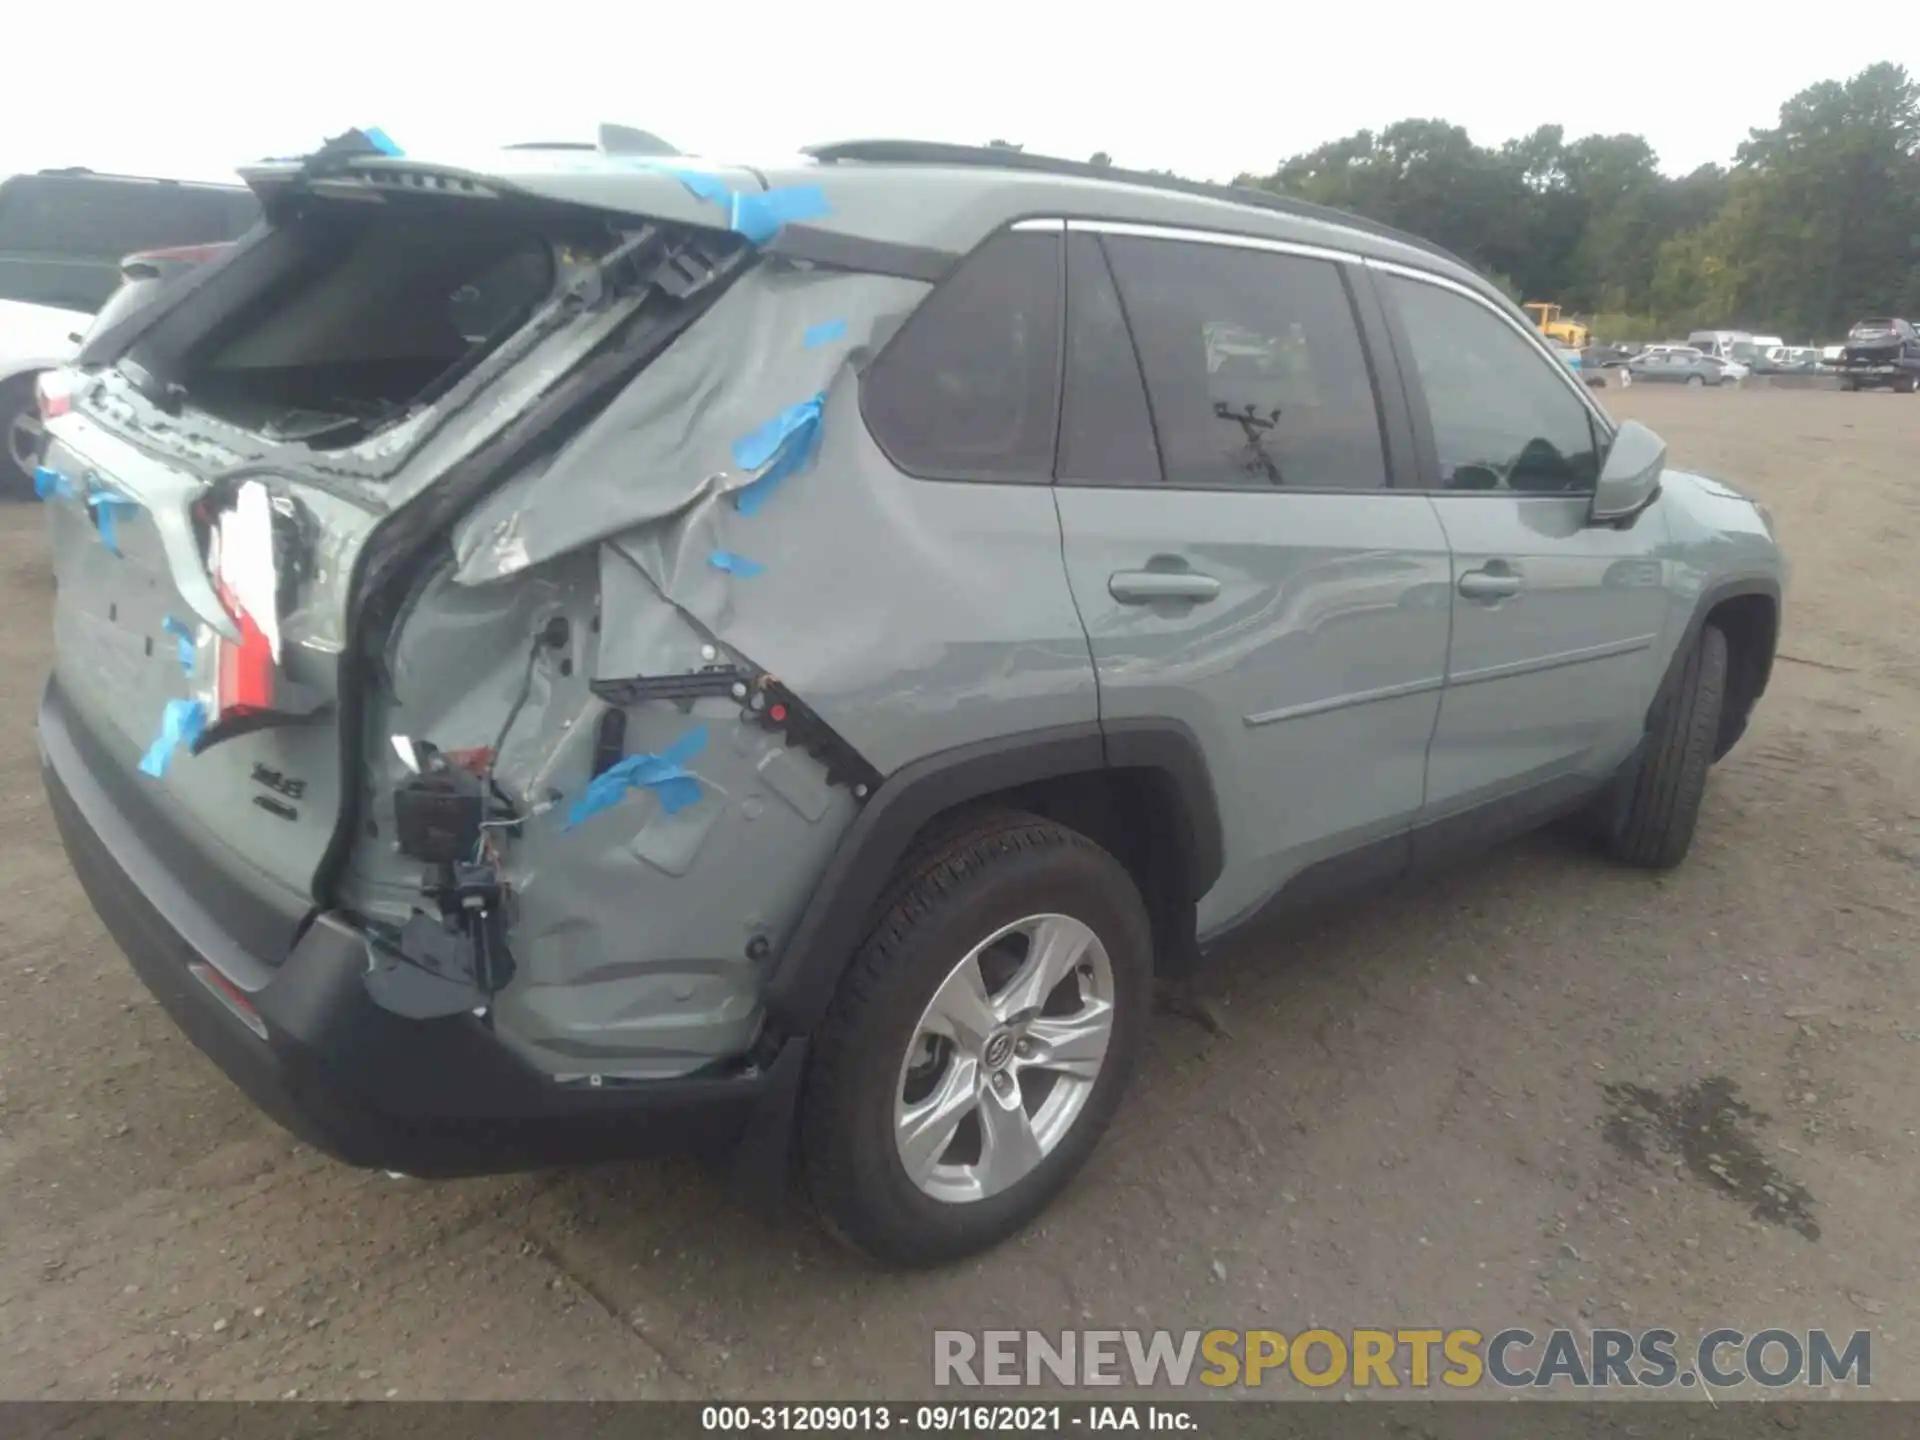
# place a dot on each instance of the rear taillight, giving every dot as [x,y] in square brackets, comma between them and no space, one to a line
[54,390]
[245,677]
[246,671]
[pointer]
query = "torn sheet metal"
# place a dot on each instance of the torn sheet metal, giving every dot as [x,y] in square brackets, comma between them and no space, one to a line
[888,604]
[665,446]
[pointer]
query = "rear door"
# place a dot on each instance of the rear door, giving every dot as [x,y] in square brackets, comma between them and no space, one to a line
[1556,622]
[1237,556]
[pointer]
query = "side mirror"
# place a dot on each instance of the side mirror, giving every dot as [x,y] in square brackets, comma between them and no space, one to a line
[1630,475]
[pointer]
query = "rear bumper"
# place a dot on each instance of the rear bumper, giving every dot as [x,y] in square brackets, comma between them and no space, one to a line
[430,1098]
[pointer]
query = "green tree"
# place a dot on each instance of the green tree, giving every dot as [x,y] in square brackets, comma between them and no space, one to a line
[1825,206]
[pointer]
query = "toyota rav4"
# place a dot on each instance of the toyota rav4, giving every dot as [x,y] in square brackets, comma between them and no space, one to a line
[578,652]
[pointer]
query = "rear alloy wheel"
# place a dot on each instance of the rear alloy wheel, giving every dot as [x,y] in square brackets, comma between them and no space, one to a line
[1696,380]
[978,1044]
[24,436]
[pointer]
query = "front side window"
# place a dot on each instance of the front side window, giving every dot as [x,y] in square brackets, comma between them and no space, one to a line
[1256,376]
[1503,414]
[969,388]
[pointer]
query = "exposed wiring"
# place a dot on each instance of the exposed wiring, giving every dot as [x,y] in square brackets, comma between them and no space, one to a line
[487,789]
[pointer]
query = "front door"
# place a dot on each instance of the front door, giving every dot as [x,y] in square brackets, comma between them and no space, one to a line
[1235,553]
[1556,623]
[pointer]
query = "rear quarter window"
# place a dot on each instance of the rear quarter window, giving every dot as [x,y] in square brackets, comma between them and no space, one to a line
[969,389]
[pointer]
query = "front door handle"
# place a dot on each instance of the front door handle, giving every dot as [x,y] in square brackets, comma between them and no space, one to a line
[1143,587]
[1490,584]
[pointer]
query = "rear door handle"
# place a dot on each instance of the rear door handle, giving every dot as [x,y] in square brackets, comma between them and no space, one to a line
[1490,584]
[1143,587]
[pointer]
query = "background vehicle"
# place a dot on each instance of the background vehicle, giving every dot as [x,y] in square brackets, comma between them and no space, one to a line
[1787,360]
[1609,356]
[1674,366]
[1566,332]
[1722,343]
[1881,354]
[1042,511]
[62,236]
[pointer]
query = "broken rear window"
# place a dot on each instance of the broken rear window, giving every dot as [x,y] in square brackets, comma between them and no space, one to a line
[373,313]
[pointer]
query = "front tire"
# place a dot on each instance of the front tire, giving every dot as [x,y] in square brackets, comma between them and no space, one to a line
[1657,802]
[978,1043]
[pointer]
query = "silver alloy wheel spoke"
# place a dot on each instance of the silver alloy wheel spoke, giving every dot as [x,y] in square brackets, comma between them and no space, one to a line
[960,1009]
[1072,1046]
[1058,942]
[1048,1024]
[1008,1147]
[926,1129]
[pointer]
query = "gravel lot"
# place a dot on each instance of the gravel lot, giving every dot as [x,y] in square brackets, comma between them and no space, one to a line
[1477,1101]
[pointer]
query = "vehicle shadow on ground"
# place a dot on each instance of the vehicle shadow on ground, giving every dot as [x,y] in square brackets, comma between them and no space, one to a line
[1288,1001]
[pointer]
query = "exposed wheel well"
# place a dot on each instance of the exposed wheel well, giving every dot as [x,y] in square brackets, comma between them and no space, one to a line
[1751,624]
[1135,815]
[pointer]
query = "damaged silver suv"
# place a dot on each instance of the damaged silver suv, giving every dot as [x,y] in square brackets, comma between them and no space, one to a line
[591,650]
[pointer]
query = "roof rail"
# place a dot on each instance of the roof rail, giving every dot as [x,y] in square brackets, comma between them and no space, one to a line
[926,152]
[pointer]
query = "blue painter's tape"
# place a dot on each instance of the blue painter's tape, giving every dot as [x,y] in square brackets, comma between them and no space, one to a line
[759,216]
[110,507]
[784,446]
[50,484]
[827,332]
[180,724]
[665,774]
[381,141]
[710,188]
[738,566]
[183,637]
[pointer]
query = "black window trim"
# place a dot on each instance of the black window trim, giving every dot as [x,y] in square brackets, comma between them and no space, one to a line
[1598,421]
[1389,400]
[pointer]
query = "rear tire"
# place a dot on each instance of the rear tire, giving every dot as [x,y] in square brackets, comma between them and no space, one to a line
[888,1052]
[23,438]
[1697,381]
[1656,803]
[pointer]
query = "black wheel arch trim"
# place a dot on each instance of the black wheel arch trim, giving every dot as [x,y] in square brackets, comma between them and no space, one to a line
[1714,596]
[809,966]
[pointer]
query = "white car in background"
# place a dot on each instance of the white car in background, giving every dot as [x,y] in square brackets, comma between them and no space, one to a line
[63,234]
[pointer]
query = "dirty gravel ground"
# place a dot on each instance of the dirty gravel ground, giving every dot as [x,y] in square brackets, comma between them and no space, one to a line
[1475,1102]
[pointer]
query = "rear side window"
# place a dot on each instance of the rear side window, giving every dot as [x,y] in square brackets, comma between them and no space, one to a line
[1254,367]
[1504,417]
[969,388]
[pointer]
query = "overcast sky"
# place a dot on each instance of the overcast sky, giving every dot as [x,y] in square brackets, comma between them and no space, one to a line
[1206,89]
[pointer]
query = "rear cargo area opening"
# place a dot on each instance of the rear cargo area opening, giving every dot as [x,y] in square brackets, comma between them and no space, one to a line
[362,313]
